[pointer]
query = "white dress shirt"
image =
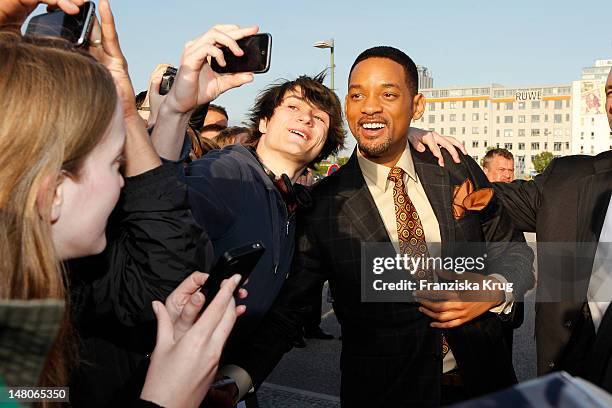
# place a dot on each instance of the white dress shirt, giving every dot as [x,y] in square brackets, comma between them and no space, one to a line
[599,294]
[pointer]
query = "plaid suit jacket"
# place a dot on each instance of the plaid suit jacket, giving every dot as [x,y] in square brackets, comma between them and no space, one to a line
[391,356]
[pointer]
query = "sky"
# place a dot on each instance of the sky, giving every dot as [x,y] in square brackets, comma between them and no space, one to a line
[462,42]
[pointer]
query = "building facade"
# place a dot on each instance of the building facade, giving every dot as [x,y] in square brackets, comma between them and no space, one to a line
[526,120]
[591,131]
[425,78]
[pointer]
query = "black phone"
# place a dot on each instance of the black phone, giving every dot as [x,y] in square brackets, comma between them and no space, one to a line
[167,80]
[256,58]
[74,28]
[240,261]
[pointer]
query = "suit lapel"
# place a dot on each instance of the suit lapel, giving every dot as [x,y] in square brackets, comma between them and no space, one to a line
[359,206]
[593,201]
[436,184]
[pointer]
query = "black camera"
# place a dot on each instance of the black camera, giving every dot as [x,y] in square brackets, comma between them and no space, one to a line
[167,80]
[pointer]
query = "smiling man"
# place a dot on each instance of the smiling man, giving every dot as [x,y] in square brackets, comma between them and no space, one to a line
[247,193]
[393,352]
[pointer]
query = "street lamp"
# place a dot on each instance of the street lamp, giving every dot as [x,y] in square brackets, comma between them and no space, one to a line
[328,44]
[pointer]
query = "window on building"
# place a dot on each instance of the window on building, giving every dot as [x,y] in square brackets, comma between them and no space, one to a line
[432,106]
[475,158]
[545,104]
[508,146]
[486,104]
[474,116]
[558,118]
[452,105]
[486,143]
[567,145]
[497,133]
[431,119]
[497,118]
[463,117]
[509,105]
[441,118]
[486,116]
[535,104]
[558,104]
[521,105]
[545,118]
[535,146]
[485,130]
[452,117]
[557,146]
[535,132]
[453,131]
[535,118]
[441,105]
[567,103]
[475,130]
[463,131]
[567,117]
[474,143]
[497,105]
[441,131]
[521,119]
[508,132]
[521,132]
[463,104]
[545,145]
[497,145]
[508,119]
[475,104]
[521,146]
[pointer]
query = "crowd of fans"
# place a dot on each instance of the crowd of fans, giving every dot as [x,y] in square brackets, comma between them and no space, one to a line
[110,212]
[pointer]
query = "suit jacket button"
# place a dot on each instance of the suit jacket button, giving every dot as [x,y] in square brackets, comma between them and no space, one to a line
[567,324]
[551,364]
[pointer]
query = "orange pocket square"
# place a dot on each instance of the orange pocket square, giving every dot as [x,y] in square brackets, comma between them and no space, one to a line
[465,198]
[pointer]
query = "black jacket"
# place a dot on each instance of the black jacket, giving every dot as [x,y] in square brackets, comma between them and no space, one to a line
[565,206]
[153,244]
[236,202]
[390,356]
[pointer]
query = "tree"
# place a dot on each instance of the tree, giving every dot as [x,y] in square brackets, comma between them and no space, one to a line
[541,161]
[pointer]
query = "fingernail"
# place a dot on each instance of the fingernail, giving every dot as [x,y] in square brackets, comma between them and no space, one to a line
[155,307]
[236,279]
[197,298]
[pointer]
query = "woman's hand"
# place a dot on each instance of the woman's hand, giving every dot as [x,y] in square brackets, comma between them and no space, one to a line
[188,348]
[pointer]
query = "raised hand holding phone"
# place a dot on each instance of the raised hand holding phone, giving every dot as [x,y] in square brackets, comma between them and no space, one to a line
[196,83]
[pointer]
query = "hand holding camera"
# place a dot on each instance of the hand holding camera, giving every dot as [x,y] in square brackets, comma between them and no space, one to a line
[195,82]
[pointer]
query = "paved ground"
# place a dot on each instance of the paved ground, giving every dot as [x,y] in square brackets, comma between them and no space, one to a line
[310,377]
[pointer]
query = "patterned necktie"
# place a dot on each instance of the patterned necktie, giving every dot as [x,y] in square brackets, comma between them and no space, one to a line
[410,233]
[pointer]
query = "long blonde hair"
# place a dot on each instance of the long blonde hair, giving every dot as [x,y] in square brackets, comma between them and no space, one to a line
[55,105]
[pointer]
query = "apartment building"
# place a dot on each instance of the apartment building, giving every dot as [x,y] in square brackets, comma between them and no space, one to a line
[525,120]
[591,131]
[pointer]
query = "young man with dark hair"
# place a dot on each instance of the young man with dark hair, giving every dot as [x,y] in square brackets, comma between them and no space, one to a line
[243,194]
[397,354]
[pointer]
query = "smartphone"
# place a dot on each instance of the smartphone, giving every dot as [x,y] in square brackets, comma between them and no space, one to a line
[167,80]
[256,58]
[74,28]
[240,261]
